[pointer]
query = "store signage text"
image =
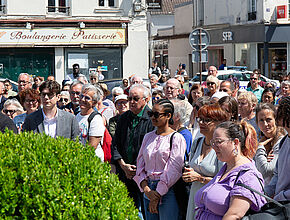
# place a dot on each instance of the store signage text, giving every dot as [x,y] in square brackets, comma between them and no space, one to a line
[64,36]
[227,36]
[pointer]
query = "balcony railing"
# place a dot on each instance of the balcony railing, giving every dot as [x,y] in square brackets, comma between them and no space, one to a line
[2,9]
[58,10]
[252,16]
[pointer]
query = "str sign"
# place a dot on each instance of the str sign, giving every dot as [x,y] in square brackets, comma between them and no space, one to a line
[62,36]
[227,36]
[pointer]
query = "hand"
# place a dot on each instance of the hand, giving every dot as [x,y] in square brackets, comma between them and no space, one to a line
[189,175]
[152,195]
[153,206]
[130,170]
[263,143]
[270,156]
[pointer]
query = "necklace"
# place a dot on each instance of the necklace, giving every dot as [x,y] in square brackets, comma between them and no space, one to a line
[206,144]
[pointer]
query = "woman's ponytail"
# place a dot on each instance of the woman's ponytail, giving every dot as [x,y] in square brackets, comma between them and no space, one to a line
[249,147]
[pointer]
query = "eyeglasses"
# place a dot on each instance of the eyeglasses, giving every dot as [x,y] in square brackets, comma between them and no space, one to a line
[10,112]
[252,78]
[122,103]
[135,98]
[75,93]
[93,78]
[204,120]
[224,90]
[217,142]
[63,100]
[87,98]
[155,98]
[155,114]
[30,101]
[210,83]
[170,88]
[50,95]
[21,82]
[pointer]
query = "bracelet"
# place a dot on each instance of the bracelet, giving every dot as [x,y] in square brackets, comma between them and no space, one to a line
[202,179]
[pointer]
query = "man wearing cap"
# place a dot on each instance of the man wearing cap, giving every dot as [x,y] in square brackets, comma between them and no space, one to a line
[122,105]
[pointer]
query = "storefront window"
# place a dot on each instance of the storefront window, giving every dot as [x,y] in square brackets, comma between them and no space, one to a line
[34,61]
[242,55]
[277,59]
[107,60]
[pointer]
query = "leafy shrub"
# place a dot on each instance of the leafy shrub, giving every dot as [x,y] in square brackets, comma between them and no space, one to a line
[42,177]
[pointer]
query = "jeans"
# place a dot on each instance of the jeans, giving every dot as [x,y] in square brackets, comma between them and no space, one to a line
[167,208]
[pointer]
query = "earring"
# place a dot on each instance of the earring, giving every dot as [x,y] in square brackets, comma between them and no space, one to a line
[235,151]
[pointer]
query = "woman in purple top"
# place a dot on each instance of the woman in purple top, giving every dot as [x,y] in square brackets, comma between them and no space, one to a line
[158,166]
[235,144]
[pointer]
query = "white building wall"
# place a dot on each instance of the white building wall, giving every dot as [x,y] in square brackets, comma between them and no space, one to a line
[59,63]
[135,56]
[235,12]
[27,7]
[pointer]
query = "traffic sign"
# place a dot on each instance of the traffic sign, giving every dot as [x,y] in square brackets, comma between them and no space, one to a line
[199,37]
[204,56]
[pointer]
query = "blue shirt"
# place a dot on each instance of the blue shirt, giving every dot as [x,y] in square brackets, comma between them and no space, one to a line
[188,139]
[257,92]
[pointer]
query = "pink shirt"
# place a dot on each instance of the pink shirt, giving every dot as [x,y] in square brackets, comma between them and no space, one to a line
[156,162]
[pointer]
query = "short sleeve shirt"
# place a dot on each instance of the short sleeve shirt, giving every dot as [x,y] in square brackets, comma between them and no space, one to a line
[97,129]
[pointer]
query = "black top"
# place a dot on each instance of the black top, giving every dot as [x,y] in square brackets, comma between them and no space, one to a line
[6,122]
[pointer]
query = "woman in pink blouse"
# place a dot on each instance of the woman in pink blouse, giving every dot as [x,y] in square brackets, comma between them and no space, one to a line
[158,167]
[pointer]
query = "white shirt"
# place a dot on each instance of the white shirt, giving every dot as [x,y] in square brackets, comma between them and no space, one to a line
[97,129]
[70,77]
[50,124]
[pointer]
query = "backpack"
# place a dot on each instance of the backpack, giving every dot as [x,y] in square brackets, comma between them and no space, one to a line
[107,139]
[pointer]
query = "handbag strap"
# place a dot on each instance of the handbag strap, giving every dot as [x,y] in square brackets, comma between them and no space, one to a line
[261,194]
[171,140]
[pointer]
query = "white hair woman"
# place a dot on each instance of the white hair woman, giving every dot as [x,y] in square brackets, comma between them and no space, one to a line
[12,108]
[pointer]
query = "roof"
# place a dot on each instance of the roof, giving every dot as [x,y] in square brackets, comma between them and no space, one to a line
[168,7]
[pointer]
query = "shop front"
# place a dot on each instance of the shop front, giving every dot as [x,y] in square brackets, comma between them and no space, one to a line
[43,49]
[256,46]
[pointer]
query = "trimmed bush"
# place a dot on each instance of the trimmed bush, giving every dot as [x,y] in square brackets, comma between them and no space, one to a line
[42,177]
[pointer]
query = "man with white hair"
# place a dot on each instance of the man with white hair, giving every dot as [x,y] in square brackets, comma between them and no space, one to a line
[153,81]
[130,131]
[90,133]
[172,90]
[134,80]
[74,91]
[24,82]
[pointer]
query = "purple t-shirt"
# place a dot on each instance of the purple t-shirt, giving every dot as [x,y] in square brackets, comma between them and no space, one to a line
[213,199]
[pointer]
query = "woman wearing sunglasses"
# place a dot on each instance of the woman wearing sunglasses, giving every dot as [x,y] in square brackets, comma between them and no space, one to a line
[203,162]
[223,197]
[64,99]
[159,165]
[212,84]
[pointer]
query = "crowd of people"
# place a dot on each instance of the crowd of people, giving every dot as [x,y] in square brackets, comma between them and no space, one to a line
[163,139]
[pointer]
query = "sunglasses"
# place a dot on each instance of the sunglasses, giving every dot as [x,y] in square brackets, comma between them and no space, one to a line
[155,114]
[87,98]
[63,100]
[204,120]
[49,95]
[253,78]
[122,103]
[136,99]
[155,98]
[210,83]
[75,93]
[11,112]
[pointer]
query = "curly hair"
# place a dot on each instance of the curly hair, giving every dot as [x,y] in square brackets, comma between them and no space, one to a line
[52,86]
[283,112]
[31,92]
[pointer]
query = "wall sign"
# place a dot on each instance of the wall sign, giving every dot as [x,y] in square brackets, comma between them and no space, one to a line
[154,5]
[227,36]
[281,11]
[62,36]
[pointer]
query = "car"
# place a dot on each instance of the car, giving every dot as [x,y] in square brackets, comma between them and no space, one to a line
[242,76]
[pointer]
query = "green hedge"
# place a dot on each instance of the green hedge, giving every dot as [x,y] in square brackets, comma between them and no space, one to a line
[47,178]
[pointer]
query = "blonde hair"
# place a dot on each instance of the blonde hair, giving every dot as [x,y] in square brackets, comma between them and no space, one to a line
[249,96]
